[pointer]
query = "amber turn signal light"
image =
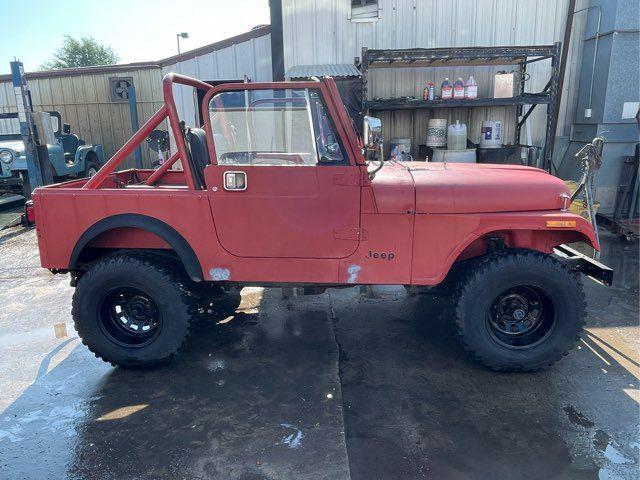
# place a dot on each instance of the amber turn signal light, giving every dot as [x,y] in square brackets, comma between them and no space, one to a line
[561,223]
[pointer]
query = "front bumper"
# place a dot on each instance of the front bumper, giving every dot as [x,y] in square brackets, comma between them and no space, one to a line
[579,262]
[8,182]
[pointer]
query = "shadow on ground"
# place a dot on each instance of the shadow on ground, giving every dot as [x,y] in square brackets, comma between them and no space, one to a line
[355,383]
[247,400]
[416,406]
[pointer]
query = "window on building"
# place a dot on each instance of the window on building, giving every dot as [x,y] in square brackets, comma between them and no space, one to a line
[364,10]
[272,127]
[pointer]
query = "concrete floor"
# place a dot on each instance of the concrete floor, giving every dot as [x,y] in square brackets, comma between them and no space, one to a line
[357,383]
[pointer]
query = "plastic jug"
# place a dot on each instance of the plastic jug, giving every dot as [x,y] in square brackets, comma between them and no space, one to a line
[457,136]
[458,89]
[446,90]
[471,89]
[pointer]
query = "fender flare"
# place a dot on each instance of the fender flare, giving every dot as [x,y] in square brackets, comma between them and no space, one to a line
[143,222]
[84,150]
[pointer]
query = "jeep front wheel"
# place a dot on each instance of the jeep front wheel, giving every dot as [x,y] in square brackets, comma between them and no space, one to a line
[133,309]
[519,310]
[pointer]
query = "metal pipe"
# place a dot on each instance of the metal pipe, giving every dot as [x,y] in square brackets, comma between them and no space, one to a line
[135,126]
[174,121]
[595,53]
[566,42]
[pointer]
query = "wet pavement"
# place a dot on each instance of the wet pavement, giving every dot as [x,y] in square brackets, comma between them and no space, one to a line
[359,383]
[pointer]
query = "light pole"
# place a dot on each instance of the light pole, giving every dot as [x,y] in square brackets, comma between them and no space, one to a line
[179,36]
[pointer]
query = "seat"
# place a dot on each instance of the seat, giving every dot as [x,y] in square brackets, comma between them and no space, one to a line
[70,143]
[197,144]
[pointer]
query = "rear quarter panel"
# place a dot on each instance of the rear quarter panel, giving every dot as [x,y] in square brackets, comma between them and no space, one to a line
[63,215]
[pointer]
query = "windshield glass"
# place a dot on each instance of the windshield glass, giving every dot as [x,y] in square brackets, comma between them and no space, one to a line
[285,127]
[9,126]
[267,127]
[55,124]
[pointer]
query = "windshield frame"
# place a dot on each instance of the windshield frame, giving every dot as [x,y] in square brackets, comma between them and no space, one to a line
[328,94]
[18,136]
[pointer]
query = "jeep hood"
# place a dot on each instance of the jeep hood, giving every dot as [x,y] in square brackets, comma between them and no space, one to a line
[15,145]
[466,188]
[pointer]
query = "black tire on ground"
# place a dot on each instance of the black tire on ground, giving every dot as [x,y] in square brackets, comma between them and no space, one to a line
[519,310]
[133,309]
[91,166]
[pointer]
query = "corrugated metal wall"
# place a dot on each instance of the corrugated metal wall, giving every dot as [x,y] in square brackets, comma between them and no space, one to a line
[321,32]
[251,58]
[84,102]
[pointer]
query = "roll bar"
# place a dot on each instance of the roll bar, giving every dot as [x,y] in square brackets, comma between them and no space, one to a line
[168,110]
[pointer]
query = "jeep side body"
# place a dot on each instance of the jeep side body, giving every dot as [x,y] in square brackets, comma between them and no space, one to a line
[276,189]
[69,155]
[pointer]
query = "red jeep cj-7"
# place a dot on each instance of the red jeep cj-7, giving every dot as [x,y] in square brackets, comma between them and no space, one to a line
[277,189]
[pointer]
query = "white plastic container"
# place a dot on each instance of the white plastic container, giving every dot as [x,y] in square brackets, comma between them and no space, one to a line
[491,134]
[467,155]
[437,132]
[457,136]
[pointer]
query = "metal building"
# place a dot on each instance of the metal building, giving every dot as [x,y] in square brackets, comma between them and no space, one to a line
[93,101]
[245,55]
[335,31]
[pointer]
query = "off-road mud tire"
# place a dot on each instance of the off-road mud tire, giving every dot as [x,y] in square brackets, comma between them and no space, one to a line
[501,271]
[165,284]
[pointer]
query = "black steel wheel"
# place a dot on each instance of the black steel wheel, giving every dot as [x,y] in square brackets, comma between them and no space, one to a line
[133,309]
[519,310]
[521,316]
[129,316]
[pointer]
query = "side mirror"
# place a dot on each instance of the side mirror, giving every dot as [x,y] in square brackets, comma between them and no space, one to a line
[372,137]
[66,128]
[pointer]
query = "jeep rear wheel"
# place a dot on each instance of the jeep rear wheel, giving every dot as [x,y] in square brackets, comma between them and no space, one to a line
[519,310]
[133,309]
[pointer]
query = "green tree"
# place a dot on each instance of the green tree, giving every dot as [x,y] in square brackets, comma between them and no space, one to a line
[85,52]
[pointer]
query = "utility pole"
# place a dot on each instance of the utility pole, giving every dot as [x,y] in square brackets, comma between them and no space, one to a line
[27,128]
[179,36]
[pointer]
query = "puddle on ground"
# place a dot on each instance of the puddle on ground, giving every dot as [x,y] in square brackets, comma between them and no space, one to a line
[603,443]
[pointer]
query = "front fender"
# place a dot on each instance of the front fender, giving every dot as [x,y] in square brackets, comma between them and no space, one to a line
[447,238]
